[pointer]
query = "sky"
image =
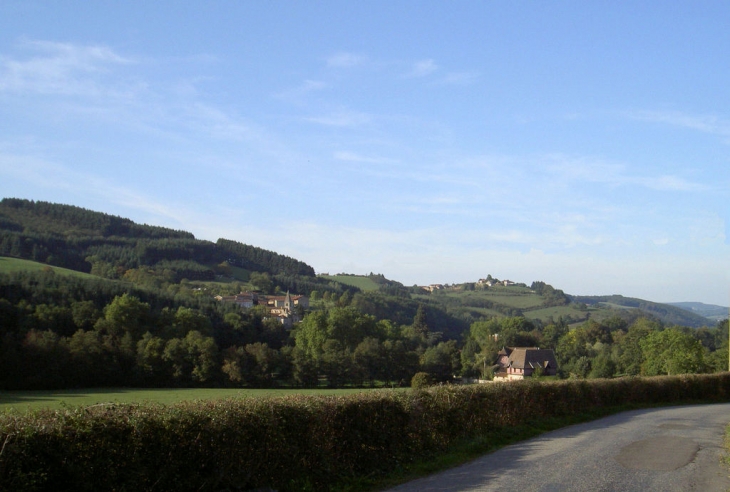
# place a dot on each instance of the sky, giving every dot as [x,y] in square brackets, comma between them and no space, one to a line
[585,144]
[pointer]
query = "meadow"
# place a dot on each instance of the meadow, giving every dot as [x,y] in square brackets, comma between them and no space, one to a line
[24,401]
[363,283]
[11,265]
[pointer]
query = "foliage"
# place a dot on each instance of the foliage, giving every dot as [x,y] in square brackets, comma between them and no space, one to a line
[296,443]
[110,246]
[671,315]
[421,380]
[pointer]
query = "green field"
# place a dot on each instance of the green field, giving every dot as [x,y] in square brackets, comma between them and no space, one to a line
[9,265]
[359,281]
[24,401]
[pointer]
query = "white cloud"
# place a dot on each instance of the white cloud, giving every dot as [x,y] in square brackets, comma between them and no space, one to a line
[60,68]
[703,123]
[345,60]
[458,78]
[596,170]
[307,87]
[353,157]
[342,119]
[423,68]
[51,176]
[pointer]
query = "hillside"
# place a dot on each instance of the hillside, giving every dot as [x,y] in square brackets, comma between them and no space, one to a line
[110,246]
[88,299]
[709,311]
[667,314]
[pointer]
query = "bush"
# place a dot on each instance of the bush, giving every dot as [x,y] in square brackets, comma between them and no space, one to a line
[421,380]
[296,443]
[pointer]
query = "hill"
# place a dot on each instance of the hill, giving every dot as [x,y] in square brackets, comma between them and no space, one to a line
[112,247]
[709,311]
[117,248]
[667,314]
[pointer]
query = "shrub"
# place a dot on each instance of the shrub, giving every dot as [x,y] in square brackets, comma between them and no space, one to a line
[295,443]
[421,380]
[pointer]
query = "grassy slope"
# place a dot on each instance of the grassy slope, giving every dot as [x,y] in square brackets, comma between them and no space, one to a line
[34,400]
[9,265]
[363,283]
[515,297]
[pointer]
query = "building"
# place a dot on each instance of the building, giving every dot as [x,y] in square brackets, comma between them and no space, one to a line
[515,363]
[286,309]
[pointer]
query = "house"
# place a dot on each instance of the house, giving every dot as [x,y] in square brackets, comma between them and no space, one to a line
[520,362]
[433,287]
[244,299]
[282,308]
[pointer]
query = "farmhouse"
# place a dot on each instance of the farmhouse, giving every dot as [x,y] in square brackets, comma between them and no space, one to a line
[519,362]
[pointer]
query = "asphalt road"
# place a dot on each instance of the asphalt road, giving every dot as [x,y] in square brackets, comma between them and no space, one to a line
[667,449]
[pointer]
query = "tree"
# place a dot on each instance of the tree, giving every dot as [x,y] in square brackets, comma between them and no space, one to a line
[369,359]
[193,359]
[262,281]
[420,321]
[671,352]
[336,363]
[85,314]
[442,361]
[311,334]
[265,363]
[126,313]
[150,362]
[187,320]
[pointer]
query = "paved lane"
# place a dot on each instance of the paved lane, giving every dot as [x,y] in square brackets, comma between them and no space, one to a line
[666,449]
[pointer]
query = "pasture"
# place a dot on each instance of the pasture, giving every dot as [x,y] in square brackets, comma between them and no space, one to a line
[24,401]
[363,283]
[11,265]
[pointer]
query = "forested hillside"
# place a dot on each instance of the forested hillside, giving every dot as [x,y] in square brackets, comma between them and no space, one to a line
[109,246]
[144,313]
[669,314]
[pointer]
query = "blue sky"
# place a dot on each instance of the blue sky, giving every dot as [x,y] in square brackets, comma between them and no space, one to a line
[585,144]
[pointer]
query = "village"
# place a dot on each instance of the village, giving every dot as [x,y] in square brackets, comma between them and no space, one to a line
[287,309]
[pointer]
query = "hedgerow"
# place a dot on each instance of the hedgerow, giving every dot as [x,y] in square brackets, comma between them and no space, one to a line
[295,443]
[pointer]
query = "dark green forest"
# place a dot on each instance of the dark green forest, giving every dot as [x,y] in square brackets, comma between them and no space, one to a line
[147,317]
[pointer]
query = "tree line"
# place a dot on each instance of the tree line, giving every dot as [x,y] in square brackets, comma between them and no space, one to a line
[105,245]
[58,331]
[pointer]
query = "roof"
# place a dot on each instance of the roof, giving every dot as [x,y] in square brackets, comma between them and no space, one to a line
[532,357]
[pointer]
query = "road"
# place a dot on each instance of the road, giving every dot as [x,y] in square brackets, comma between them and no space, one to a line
[666,449]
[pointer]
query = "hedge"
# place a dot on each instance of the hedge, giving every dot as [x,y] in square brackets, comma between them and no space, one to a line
[295,443]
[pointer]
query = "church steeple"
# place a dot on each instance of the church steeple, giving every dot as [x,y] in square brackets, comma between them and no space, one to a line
[287,302]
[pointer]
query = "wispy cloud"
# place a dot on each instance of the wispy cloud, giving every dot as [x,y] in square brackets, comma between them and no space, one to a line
[50,175]
[703,123]
[345,60]
[342,119]
[423,68]
[307,87]
[353,157]
[599,171]
[59,68]
[458,78]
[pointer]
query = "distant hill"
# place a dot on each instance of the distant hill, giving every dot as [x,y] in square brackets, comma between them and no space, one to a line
[108,246]
[710,311]
[666,313]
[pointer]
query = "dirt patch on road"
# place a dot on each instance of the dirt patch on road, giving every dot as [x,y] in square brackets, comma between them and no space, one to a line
[663,453]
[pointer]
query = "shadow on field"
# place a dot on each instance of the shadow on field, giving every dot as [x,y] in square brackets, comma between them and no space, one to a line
[27,397]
